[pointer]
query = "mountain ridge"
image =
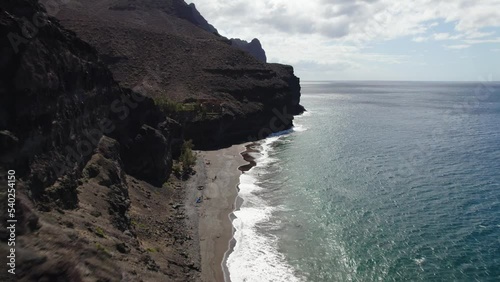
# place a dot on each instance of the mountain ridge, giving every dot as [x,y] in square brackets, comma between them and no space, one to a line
[253,47]
[189,64]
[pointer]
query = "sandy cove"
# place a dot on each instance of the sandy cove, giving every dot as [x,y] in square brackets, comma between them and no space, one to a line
[215,183]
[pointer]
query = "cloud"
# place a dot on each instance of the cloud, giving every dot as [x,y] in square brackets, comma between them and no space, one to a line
[420,39]
[341,32]
[355,20]
[482,41]
[446,36]
[457,47]
[478,34]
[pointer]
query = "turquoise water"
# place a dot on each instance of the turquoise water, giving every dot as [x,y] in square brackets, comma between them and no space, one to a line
[379,181]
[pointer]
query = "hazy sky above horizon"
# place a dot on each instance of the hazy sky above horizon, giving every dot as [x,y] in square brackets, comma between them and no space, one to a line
[369,39]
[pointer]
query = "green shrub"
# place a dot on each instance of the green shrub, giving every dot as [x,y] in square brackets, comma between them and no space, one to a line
[101,249]
[153,250]
[188,106]
[99,232]
[169,106]
[188,157]
[177,169]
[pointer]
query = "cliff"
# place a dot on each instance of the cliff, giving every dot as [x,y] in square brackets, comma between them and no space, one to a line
[81,146]
[236,95]
[253,47]
[199,20]
[92,118]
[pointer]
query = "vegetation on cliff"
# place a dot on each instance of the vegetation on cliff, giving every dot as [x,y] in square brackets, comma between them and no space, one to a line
[184,166]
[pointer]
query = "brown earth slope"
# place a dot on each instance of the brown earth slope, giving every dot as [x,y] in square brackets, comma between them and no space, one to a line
[90,158]
[238,95]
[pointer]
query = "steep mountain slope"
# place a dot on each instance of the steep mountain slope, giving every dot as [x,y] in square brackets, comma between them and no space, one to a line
[84,151]
[237,96]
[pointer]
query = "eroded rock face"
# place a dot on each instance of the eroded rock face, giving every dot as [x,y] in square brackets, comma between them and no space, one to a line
[148,156]
[198,19]
[56,101]
[105,167]
[171,58]
[253,47]
[67,129]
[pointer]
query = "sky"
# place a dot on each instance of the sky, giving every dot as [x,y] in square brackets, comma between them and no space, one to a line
[417,40]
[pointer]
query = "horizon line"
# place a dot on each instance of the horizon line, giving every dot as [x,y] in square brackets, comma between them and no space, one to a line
[384,80]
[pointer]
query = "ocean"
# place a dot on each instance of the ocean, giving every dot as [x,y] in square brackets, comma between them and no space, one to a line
[378,181]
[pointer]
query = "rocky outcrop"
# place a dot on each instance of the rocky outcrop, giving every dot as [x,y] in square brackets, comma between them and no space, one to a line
[253,47]
[75,137]
[57,101]
[149,157]
[199,20]
[247,112]
[105,167]
[171,58]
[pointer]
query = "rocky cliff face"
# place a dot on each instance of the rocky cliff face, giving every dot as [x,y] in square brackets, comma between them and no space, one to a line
[79,144]
[258,111]
[238,95]
[253,47]
[199,20]
[84,127]
[58,100]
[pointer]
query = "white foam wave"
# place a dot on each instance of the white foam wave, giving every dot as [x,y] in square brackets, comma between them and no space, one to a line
[304,114]
[298,127]
[255,256]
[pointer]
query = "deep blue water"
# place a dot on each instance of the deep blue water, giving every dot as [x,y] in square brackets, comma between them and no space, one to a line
[380,181]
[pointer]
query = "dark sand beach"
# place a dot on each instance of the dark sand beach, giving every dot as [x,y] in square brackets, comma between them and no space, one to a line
[215,185]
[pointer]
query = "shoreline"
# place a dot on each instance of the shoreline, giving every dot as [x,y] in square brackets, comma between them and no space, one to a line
[216,185]
[237,204]
[248,158]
